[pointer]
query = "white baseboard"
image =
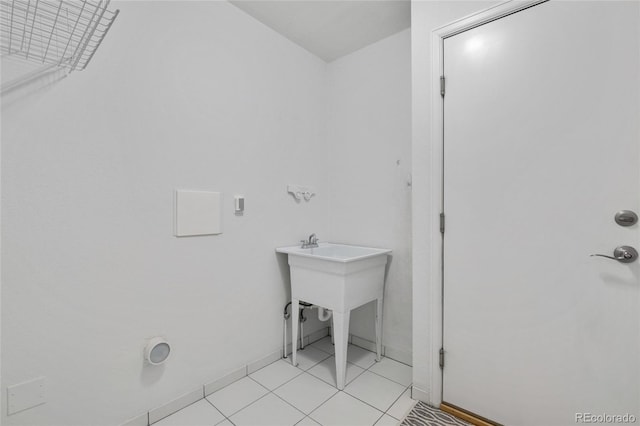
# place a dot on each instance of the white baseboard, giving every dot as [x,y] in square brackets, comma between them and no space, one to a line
[389,352]
[419,394]
[158,413]
[318,335]
[141,420]
[256,365]
[177,404]
[225,380]
[399,355]
[207,389]
[363,343]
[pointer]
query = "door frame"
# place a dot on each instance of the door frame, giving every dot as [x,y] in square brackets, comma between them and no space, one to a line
[436,178]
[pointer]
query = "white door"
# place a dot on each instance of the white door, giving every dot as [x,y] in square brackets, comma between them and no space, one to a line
[541,149]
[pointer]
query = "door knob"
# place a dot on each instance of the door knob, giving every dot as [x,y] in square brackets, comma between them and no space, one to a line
[623,254]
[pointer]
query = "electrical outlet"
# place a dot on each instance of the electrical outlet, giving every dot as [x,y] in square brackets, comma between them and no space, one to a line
[25,395]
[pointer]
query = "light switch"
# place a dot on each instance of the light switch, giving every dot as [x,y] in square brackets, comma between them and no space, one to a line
[198,213]
[239,204]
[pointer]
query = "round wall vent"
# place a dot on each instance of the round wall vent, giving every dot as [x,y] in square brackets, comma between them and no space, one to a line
[157,351]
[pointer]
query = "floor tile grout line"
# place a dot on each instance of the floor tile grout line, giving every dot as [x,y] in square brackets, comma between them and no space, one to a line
[320,378]
[303,420]
[225,420]
[298,375]
[175,412]
[335,385]
[321,404]
[381,416]
[352,344]
[251,378]
[318,407]
[302,371]
[264,366]
[237,411]
[390,359]
[279,386]
[381,375]
[248,405]
[278,396]
[367,368]
[394,381]
[218,410]
[290,380]
[305,414]
[297,409]
[320,349]
[274,394]
[385,377]
[383,412]
[312,365]
[322,360]
[352,380]
[394,403]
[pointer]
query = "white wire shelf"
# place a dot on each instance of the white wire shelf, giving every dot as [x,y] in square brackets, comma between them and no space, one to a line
[64,33]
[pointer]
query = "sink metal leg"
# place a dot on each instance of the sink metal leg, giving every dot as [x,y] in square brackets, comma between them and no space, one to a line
[301,329]
[341,331]
[333,335]
[378,329]
[284,339]
[295,313]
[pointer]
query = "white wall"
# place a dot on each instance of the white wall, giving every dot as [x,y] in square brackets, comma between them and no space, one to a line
[369,142]
[193,95]
[425,17]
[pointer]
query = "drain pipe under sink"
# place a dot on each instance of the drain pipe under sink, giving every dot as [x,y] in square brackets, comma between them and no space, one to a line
[323,315]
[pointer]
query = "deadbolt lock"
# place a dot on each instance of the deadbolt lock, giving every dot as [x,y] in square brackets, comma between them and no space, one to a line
[626,218]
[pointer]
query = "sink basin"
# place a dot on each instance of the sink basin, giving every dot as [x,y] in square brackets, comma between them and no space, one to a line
[339,277]
[335,252]
[336,276]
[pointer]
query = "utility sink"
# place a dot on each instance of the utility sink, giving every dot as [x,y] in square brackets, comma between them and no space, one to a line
[335,252]
[341,278]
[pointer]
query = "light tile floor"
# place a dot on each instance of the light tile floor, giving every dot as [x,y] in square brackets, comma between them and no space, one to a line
[377,393]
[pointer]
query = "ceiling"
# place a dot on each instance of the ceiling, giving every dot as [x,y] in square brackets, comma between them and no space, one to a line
[331,29]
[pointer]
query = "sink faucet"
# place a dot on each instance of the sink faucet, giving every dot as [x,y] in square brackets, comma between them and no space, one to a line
[311,242]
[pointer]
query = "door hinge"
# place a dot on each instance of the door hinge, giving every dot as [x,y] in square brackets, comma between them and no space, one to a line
[442,86]
[442,223]
[441,357]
